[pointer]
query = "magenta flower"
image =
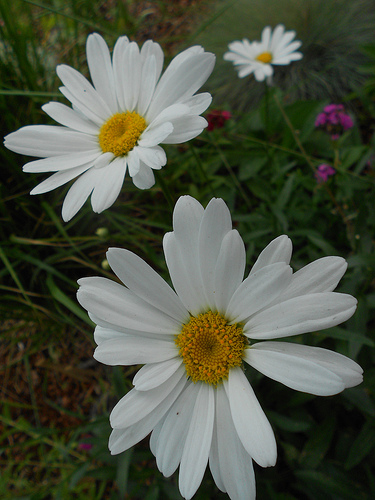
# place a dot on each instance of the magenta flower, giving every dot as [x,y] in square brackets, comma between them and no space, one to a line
[217,118]
[334,120]
[323,172]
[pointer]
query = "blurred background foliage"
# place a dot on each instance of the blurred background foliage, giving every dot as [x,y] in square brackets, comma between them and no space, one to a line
[55,398]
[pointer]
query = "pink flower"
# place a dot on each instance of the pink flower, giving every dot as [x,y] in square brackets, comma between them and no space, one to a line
[334,120]
[323,172]
[217,118]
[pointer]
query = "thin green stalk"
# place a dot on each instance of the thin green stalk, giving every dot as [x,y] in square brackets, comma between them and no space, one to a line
[165,190]
[201,170]
[233,176]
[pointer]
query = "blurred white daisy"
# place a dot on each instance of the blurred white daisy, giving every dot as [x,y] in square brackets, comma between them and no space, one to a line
[116,124]
[275,48]
[192,393]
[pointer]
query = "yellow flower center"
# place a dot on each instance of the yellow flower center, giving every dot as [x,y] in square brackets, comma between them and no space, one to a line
[121,132]
[209,347]
[264,57]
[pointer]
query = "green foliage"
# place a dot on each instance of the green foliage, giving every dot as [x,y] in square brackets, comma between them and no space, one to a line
[263,164]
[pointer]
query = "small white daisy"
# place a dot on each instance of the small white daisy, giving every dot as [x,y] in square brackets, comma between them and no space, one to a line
[117,123]
[192,392]
[275,48]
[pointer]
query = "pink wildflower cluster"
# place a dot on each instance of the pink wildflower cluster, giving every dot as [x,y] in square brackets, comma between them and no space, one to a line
[334,120]
[216,119]
[323,172]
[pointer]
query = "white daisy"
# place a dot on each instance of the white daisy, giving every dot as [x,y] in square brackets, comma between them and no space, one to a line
[117,123]
[275,48]
[192,392]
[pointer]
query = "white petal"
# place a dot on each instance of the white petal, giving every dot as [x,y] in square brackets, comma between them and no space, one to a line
[148,83]
[70,118]
[59,178]
[118,73]
[81,107]
[64,162]
[153,49]
[145,177]
[136,405]
[173,433]
[181,82]
[279,250]
[258,290]
[133,161]
[123,439]
[322,275]
[307,313]
[103,334]
[169,114]
[198,442]
[215,224]
[236,467]
[117,305]
[185,128]
[153,136]
[181,254]
[230,268]
[83,91]
[101,72]
[49,140]
[78,193]
[139,277]
[131,75]
[251,424]
[130,350]
[154,157]
[303,368]
[198,103]
[154,374]
[106,191]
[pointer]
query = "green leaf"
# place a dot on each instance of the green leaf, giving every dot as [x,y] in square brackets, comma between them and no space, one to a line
[362,446]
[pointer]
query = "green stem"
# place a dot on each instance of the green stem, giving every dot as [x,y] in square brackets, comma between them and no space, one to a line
[165,190]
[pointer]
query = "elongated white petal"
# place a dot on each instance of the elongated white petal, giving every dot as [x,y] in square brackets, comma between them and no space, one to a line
[171,88]
[64,162]
[131,75]
[173,433]
[145,178]
[181,254]
[103,334]
[49,140]
[229,270]
[153,157]
[117,305]
[279,250]
[215,224]
[307,313]
[101,72]
[251,424]
[185,128]
[258,290]
[154,374]
[123,439]
[107,190]
[148,83]
[154,135]
[83,91]
[136,405]
[118,67]
[198,103]
[322,275]
[82,107]
[59,178]
[236,467]
[79,192]
[139,277]
[70,118]
[128,350]
[198,442]
[304,368]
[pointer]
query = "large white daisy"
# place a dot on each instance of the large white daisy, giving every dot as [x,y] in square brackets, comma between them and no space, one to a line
[117,123]
[192,392]
[275,48]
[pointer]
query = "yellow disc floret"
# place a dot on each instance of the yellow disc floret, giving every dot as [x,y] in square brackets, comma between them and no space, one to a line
[209,347]
[264,57]
[121,132]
